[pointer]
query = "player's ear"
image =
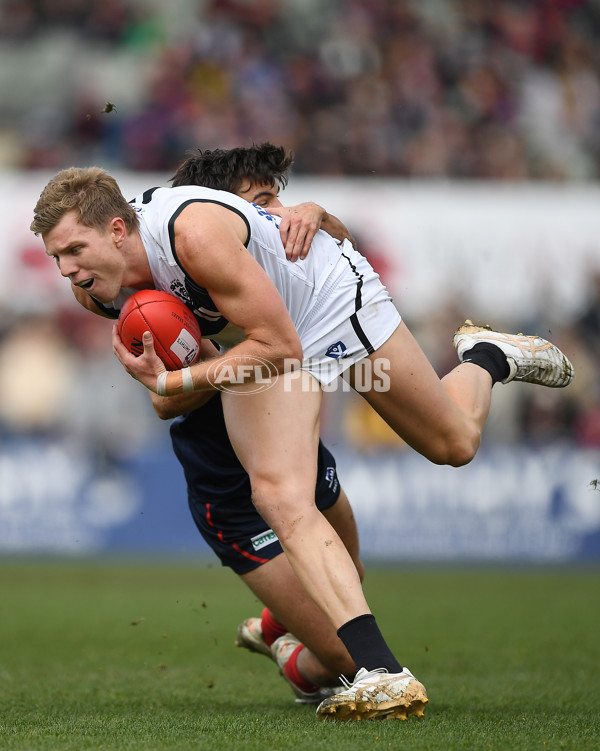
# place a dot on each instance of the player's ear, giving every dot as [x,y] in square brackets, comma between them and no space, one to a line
[118,231]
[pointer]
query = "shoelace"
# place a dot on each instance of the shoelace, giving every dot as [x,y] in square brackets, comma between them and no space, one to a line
[525,375]
[348,684]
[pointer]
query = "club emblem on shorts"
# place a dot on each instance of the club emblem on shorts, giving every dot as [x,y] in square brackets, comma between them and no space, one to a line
[331,478]
[336,351]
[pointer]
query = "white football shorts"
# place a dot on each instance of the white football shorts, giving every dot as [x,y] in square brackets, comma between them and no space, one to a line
[357,320]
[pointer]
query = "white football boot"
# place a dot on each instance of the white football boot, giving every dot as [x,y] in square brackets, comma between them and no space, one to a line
[250,636]
[376,695]
[282,649]
[530,358]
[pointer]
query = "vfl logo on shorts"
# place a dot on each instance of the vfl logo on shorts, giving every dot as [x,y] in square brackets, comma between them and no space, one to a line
[264,539]
[331,479]
[336,351]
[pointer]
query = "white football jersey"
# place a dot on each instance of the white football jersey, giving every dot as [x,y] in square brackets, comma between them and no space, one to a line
[321,292]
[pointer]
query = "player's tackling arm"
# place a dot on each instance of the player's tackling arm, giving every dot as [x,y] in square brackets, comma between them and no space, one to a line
[300,223]
[337,229]
[209,241]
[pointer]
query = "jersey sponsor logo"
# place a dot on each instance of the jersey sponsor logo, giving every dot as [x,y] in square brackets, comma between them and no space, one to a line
[336,351]
[264,539]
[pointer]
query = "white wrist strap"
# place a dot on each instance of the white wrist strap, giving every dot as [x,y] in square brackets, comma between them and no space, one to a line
[188,381]
[161,383]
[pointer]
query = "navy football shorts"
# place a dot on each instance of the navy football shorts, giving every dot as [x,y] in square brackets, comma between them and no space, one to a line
[235,530]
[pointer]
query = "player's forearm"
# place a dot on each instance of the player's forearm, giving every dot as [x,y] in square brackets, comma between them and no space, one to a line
[337,229]
[168,407]
[253,360]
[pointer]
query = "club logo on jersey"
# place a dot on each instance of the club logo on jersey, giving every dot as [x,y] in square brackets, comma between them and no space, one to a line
[336,351]
[179,290]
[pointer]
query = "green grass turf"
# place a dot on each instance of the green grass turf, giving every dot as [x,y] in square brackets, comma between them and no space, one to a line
[136,655]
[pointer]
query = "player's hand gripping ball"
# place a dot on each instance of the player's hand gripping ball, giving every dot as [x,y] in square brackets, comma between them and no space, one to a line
[172,324]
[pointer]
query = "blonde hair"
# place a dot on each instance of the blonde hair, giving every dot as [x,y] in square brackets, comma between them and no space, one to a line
[91,192]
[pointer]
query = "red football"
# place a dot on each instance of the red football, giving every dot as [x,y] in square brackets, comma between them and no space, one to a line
[176,332]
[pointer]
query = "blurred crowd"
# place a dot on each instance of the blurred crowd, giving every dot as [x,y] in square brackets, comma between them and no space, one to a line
[502,89]
[60,383]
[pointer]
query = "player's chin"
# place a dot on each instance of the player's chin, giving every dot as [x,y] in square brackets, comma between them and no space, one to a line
[100,293]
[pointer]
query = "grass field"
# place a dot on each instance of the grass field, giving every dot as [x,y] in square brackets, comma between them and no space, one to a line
[135,655]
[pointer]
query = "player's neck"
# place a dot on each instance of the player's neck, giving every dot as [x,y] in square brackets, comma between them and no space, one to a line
[138,274]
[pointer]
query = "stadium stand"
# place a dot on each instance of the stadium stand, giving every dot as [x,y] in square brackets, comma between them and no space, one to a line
[462,89]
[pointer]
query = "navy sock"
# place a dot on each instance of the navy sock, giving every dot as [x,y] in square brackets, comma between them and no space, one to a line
[489,357]
[366,645]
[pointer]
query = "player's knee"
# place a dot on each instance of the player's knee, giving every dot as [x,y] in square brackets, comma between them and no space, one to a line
[461,457]
[279,505]
[459,449]
[266,492]
[463,453]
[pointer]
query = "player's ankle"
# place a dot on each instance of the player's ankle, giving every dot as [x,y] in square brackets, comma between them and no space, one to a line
[271,629]
[293,674]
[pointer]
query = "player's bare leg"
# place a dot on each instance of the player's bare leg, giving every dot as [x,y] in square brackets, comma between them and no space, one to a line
[341,518]
[282,467]
[278,587]
[282,470]
[443,419]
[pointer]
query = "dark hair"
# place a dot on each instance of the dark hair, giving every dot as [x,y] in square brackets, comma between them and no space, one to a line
[227,169]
